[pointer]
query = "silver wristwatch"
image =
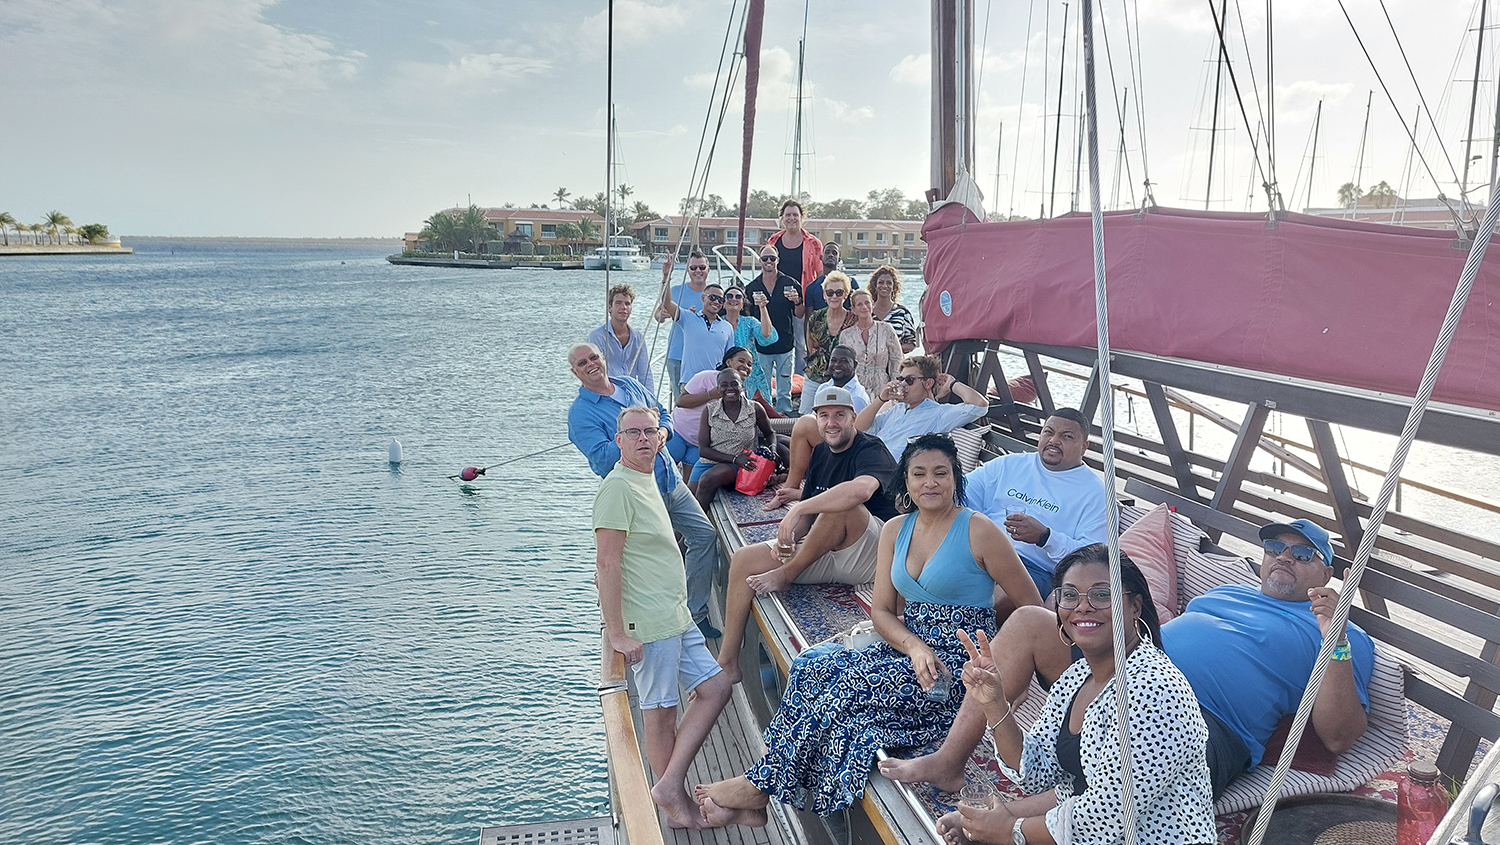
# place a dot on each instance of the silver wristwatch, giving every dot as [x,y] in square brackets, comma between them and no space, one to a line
[1016,836]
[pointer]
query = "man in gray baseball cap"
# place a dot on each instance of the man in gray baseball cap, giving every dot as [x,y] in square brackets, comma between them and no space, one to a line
[830,533]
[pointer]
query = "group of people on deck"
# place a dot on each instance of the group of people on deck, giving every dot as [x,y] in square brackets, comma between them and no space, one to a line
[982,582]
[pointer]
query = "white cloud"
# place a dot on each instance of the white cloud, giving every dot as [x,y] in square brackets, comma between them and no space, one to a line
[1299,100]
[844,113]
[480,72]
[913,70]
[637,23]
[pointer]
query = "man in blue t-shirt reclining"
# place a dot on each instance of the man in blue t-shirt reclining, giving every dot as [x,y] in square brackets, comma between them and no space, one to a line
[1247,654]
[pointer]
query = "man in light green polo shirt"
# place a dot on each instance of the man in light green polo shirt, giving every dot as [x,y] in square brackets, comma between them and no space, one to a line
[643,599]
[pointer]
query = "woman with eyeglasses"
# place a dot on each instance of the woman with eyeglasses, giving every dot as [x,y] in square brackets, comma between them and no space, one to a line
[886,283]
[877,350]
[823,328]
[748,330]
[936,571]
[1069,762]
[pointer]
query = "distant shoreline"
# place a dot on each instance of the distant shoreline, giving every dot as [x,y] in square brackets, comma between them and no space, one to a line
[229,239]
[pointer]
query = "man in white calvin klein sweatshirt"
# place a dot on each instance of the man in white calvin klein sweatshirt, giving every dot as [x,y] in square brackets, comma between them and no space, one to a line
[1047,501]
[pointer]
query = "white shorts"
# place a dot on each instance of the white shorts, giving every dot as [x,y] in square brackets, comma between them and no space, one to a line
[681,660]
[852,565]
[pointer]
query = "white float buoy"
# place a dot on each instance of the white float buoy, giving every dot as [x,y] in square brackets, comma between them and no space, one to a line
[395,451]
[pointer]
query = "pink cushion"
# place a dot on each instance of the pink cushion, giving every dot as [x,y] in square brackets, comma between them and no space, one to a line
[1148,543]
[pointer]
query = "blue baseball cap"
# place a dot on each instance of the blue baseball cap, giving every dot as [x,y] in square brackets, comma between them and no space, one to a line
[1311,531]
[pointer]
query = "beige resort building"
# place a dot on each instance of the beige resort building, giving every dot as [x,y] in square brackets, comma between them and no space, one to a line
[861,242]
[536,225]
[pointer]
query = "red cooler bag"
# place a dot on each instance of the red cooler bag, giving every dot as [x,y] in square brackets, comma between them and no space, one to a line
[752,481]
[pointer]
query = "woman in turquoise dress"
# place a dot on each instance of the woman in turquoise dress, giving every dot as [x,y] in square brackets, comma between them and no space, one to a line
[747,328]
[937,569]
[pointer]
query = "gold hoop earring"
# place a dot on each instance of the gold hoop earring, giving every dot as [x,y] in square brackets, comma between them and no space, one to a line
[1064,637]
[1144,631]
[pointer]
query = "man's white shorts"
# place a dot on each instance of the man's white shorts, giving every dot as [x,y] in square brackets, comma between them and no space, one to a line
[665,664]
[852,565]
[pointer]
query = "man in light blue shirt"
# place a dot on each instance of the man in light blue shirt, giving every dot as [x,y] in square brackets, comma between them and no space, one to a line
[591,428]
[688,295]
[624,348]
[915,411]
[705,335]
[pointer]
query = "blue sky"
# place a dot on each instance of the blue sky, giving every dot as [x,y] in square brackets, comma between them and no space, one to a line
[304,118]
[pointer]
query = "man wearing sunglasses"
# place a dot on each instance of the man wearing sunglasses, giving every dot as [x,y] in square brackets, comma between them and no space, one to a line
[783,302]
[1247,653]
[592,424]
[915,407]
[689,295]
[705,335]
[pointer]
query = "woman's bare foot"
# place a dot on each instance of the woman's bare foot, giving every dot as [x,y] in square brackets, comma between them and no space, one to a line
[733,794]
[929,768]
[951,828]
[716,816]
[680,809]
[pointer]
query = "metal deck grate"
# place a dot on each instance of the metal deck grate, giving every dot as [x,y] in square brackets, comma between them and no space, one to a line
[599,831]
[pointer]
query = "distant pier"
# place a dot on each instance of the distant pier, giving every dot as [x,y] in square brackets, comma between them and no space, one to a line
[65,249]
[483,264]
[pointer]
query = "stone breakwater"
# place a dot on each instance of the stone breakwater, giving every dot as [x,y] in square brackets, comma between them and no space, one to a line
[65,249]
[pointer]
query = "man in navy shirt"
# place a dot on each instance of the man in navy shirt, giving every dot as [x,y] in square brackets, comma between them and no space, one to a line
[815,297]
[591,428]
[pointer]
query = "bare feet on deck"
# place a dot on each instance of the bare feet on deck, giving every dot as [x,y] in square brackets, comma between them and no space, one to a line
[716,816]
[926,769]
[680,809]
[769,582]
[733,794]
[951,828]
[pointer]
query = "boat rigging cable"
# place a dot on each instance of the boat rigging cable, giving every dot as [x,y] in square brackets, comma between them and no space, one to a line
[1120,108]
[470,473]
[698,182]
[1136,57]
[1457,216]
[1240,100]
[1378,511]
[1112,503]
[1015,158]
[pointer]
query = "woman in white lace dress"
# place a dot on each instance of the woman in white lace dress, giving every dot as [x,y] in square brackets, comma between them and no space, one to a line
[877,350]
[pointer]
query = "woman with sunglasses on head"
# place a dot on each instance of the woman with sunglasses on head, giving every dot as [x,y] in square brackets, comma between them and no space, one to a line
[877,351]
[1069,763]
[936,571]
[886,283]
[747,331]
[823,328]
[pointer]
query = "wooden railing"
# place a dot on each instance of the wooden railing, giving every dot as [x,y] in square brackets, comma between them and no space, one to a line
[629,788]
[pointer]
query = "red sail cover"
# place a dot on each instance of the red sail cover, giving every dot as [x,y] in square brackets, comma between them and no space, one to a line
[1334,301]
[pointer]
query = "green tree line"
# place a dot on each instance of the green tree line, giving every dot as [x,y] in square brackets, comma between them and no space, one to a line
[58,228]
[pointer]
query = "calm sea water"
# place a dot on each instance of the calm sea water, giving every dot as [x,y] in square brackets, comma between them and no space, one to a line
[223,617]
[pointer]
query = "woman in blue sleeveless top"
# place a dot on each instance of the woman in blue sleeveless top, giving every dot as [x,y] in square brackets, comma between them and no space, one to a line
[936,574]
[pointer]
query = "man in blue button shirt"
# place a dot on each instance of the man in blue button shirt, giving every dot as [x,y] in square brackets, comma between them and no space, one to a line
[591,428]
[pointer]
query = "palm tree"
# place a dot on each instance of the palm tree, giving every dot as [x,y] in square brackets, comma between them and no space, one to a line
[566,234]
[641,211]
[1349,193]
[1383,194]
[54,221]
[562,196]
[93,232]
[444,230]
[587,231]
[473,225]
[6,219]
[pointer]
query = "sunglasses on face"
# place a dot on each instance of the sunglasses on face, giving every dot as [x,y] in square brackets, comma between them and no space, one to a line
[769,259]
[713,297]
[697,268]
[581,361]
[1301,553]
[1068,598]
[835,294]
[908,380]
[734,296]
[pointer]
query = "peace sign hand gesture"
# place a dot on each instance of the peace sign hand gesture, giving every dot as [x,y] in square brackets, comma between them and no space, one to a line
[979,674]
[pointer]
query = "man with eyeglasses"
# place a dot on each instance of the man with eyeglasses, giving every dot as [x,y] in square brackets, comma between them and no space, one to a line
[705,335]
[914,407]
[592,421]
[783,301]
[643,600]
[1247,652]
[688,295]
[1047,501]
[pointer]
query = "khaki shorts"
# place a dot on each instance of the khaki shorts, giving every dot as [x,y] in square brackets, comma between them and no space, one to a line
[852,565]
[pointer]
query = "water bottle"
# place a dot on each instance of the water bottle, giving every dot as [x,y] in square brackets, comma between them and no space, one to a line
[1421,802]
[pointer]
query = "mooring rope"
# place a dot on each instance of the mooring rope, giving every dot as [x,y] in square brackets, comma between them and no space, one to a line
[1378,512]
[1112,504]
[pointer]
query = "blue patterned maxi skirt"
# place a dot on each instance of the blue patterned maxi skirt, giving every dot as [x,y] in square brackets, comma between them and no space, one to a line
[840,708]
